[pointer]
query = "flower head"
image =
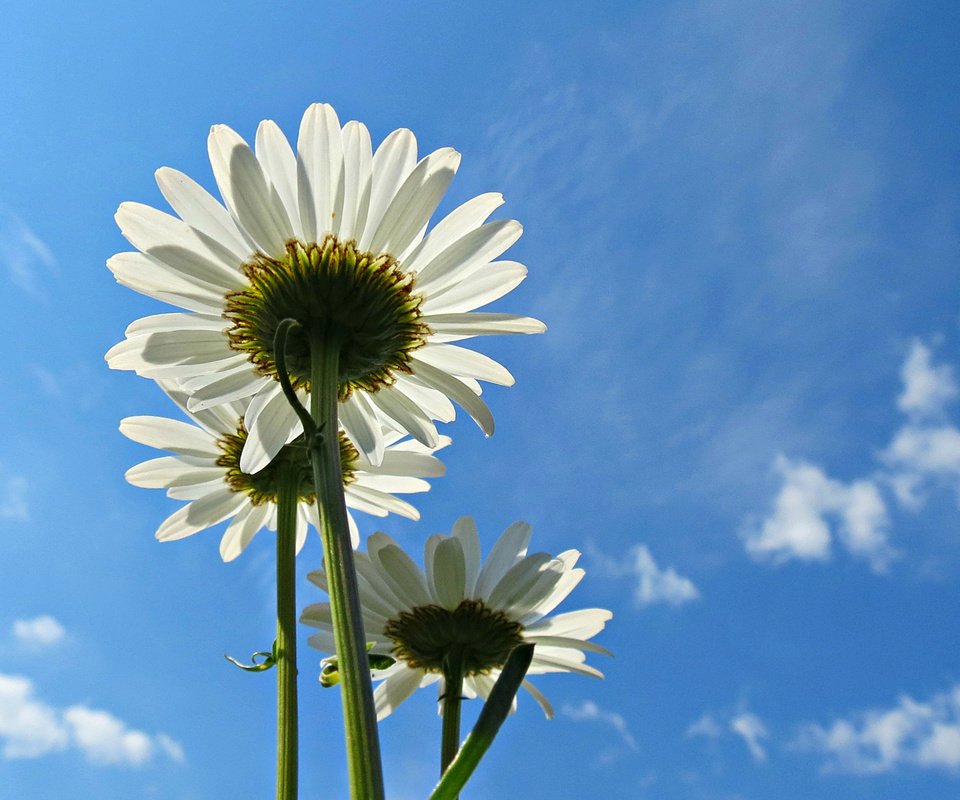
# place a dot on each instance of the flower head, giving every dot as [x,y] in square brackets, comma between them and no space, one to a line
[205,470]
[480,611]
[334,237]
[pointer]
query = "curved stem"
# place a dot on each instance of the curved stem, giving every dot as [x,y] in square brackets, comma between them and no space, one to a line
[286,646]
[360,721]
[452,699]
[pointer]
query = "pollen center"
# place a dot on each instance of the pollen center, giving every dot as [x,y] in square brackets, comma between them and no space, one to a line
[482,637]
[262,486]
[362,301]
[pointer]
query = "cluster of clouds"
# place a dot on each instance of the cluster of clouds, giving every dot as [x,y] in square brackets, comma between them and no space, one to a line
[911,733]
[812,511]
[744,724]
[30,728]
[653,583]
[42,631]
[920,734]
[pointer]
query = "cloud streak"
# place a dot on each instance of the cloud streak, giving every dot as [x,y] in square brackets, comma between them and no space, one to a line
[31,728]
[654,584]
[922,734]
[42,631]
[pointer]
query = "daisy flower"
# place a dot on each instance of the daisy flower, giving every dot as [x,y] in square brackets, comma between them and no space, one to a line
[334,236]
[205,470]
[483,610]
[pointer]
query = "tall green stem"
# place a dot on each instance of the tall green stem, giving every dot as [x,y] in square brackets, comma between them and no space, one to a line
[452,699]
[360,721]
[286,647]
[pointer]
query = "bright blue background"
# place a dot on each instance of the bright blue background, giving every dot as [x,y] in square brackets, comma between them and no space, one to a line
[738,215]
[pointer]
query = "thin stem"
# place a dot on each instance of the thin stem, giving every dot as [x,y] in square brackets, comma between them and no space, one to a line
[452,699]
[286,647]
[360,721]
[494,712]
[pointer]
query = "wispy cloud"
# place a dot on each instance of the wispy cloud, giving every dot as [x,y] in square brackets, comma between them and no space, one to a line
[13,497]
[654,584]
[588,711]
[743,723]
[920,734]
[799,527]
[30,728]
[751,729]
[24,254]
[42,631]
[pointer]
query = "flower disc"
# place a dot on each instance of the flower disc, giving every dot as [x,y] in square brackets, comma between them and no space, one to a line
[361,301]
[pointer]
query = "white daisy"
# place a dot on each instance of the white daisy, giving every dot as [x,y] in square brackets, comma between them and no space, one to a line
[484,610]
[333,236]
[205,469]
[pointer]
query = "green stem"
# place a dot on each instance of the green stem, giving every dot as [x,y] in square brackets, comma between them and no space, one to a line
[452,699]
[286,647]
[360,721]
[494,712]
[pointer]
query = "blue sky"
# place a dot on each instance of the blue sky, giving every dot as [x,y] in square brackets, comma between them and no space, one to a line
[741,225]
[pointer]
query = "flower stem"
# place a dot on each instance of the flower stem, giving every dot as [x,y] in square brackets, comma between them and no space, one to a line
[452,698]
[286,647]
[494,712]
[360,721]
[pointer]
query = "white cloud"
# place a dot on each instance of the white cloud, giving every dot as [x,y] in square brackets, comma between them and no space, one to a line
[706,726]
[925,451]
[926,388]
[590,711]
[654,585]
[751,729]
[30,728]
[799,526]
[38,632]
[25,256]
[13,498]
[921,734]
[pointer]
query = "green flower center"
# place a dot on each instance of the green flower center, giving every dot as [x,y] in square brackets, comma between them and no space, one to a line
[362,301]
[262,486]
[480,636]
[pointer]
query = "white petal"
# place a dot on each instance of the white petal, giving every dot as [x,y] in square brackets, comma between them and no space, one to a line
[450,326]
[580,624]
[357,163]
[569,643]
[464,363]
[201,211]
[449,573]
[391,484]
[320,171]
[280,167]
[478,289]
[395,405]
[162,473]
[457,390]
[542,663]
[254,203]
[395,689]
[564,586]
[395,158]
[510,548]
[452,227]
[476,248]
[271,422]
[415,202]
[200,514]
[538,696]
[384,501]
[435,404]
[465,530]
[232,384]
[398,462]
[247,524]
[359,420]
[153,278]
[176,322]
[518,580]
[170,434]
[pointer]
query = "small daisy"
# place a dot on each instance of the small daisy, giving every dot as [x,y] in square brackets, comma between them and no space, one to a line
[331,235]
[205,469]
[482,610]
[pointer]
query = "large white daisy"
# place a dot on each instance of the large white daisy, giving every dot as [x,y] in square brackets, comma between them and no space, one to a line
[331,235]
[205,470]
[485,610]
